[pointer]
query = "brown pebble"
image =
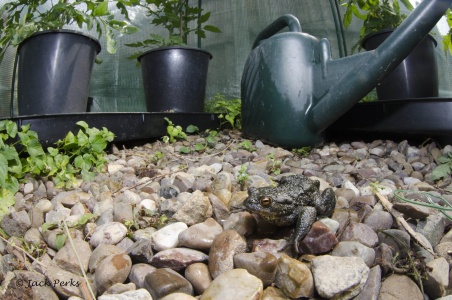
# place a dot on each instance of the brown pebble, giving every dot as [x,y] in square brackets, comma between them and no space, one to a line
[224,247]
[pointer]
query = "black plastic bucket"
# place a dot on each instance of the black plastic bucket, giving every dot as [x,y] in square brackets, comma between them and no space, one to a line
[415,77]
[174,78]
[54,72]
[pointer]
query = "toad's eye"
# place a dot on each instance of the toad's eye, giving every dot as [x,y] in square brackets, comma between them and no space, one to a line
[265,201]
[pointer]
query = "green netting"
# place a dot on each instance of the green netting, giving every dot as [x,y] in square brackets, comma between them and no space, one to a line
[116,84]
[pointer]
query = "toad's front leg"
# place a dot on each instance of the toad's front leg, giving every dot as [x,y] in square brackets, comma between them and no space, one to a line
[306,218]
[326,203]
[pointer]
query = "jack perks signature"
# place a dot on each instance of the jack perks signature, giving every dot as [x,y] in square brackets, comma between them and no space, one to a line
[54,283]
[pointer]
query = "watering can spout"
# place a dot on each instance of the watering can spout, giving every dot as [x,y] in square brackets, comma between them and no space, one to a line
[292,90]
[371,67]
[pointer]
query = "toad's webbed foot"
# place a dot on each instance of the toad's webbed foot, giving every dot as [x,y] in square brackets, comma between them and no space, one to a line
[305,220]
[326,203]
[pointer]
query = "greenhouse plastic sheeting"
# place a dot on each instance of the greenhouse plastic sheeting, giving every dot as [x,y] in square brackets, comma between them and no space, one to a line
[116,84]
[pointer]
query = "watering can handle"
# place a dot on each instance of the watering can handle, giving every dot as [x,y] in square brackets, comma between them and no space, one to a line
[285,21]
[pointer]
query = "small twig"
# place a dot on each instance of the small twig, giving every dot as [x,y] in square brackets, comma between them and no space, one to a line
[90,295]
[416,273]
[347,222]
[402,222]
[23,251]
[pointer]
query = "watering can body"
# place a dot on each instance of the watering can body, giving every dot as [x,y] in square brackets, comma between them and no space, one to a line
[292,90]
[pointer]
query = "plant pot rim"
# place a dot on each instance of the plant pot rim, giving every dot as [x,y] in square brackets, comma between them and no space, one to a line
[69,31]
[389,30]
[175,48]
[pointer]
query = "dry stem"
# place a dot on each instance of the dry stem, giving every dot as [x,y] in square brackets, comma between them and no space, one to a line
[402,222]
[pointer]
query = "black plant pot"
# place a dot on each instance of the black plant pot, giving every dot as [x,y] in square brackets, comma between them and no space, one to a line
[415,77]
[174,78]
[54,72]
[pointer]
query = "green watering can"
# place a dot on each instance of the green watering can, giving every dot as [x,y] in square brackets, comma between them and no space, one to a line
[292,90]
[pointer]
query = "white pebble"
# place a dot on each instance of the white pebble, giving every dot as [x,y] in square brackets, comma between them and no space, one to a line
[168,236]
[147,204]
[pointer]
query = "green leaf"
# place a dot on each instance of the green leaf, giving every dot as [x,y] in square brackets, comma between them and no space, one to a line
[212,28]
[15,167]
[348,17]
[34,148]
[363,5]
[87,175]
[443,159]
[60,240]
[81,163]
[357,13]
[6,201]
[11,129]
[204,18]
[9,152]
[82,124]
[184,150]
[111,41]
[98,144]
[129,29]
[199,147]
[69,139]
[3,169]
[12,184]
[23,18]
[25,128]
[210,140]
[174,132]
[82,138]
[85,218]
[89,22]
[107,135]
[440,171]
[407,4]
[192,129]
[447,42]
[48,226]
[101,9]
[230,119]
[52,151]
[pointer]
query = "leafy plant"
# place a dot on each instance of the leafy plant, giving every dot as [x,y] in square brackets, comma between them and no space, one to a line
[229,110]
[80,222]
[444,167]
[21,154]
[210,140]
[242,175]
[303,151]
[376,14]
[370,97]
[156,157]
[447,42]
[175,132]
[85,151]
[192,129]
[177,17]
[60,238]
[274,165]
[34,249]
[145,218]
[247,145]
[184,150]
[21,18]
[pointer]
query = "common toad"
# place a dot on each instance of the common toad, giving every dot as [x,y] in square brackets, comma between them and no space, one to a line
[296,200]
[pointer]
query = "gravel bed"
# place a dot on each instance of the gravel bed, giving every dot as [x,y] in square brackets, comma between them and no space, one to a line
[158,224]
